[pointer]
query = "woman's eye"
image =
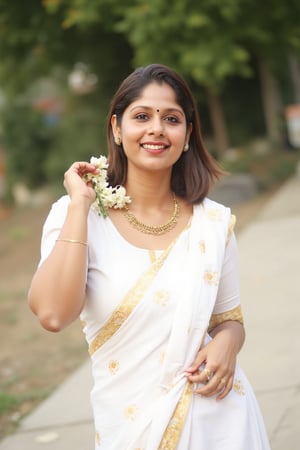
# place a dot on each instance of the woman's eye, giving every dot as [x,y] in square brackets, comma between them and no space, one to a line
[141,116]
[172,119]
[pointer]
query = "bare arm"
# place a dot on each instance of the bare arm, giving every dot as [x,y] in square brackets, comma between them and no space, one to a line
[57,290]
[233,330]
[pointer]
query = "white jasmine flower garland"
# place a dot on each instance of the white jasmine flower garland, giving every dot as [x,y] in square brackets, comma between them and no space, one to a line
[106,196]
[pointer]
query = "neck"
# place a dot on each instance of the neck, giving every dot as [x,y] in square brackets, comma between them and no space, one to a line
[149,191]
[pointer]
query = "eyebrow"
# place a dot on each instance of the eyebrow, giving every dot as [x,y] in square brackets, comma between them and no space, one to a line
[148,108]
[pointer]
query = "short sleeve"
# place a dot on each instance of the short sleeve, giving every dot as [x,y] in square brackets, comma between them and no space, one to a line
[53,225]
[227,306]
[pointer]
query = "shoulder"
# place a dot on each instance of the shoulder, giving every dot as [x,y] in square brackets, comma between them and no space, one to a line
[218,215]
[213,210]
[58,210]
[60,207]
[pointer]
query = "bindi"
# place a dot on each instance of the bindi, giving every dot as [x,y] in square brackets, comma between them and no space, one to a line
[157,110]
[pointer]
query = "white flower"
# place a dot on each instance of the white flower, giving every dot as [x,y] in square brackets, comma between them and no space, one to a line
[106,196]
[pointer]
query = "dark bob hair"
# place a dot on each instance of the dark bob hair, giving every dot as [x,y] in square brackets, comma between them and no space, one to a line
[195,171]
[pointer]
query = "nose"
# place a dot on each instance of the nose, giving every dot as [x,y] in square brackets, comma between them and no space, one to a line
[156,126]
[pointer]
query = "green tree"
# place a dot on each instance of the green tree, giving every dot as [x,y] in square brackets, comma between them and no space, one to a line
[185,36]
[27,140]
[39,37]
[35,43]
[270,31]
[209,42]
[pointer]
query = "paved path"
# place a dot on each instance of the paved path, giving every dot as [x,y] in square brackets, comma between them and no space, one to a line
[269,250]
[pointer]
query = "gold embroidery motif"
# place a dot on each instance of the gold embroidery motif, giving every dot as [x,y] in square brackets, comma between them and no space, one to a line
[83,323]
[131,412]
[97,438]
[231,227]
[234,314]
[162,297]
[211,278]
[202,246]
[127,305]
[162,357]
[168,387]
[238,387]
[173,431]
[214,214]
[113,366]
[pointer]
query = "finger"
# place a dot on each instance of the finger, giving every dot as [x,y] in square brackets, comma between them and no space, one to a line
[198,363]
[221,383]
[88,168]
[214,385]
[83,167]
[227,388]
[209,389]
[203,376]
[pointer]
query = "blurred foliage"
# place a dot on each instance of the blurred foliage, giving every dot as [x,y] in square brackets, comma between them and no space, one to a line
[269,168]
[40,40]
[79,135]
[27,141]
[217,46]
[206,41]
[39,152]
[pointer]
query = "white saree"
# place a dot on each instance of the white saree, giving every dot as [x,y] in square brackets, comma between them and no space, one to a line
[145,318]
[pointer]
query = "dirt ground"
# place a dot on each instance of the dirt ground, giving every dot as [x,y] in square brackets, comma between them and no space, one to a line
[33,361]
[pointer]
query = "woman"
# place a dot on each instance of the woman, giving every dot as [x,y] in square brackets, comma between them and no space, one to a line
[155,283]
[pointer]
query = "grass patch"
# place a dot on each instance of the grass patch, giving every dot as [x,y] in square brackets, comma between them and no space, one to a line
[9,318]
[13,294]
[8,402]
[18,233]
[3,296]
[11,402]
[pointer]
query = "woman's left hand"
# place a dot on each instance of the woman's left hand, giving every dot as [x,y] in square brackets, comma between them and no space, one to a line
[214,364]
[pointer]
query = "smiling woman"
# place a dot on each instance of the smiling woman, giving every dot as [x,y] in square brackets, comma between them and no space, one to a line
[146,130]
[157,286]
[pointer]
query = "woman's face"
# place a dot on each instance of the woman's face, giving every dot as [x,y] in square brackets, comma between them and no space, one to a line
[153,129]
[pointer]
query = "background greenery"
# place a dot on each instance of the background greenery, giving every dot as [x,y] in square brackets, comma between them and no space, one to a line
[241,58]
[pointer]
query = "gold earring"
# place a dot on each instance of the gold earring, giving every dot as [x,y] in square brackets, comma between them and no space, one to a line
[186,147]
[118,140]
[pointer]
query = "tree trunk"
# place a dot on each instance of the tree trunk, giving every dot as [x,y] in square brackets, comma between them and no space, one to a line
[218,123]
[295,76]
[271,102]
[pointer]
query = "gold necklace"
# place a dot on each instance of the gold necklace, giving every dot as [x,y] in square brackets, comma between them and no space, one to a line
[153,229]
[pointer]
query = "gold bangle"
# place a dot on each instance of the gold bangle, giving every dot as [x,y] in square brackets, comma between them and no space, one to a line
[73,241]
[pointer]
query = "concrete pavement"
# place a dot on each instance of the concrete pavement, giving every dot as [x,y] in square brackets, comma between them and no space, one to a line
[270,268]
[269,253]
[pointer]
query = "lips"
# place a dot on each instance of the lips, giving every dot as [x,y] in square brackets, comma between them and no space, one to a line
[154,148]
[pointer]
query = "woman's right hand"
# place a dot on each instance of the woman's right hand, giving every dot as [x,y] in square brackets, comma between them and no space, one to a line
[75,184]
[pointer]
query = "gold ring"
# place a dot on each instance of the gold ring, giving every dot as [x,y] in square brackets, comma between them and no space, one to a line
[208,373]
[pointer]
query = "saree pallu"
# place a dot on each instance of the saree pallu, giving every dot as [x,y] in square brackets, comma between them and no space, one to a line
[141,398]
